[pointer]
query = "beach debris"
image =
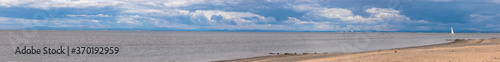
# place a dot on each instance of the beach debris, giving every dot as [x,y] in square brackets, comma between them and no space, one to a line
[395,51]
[290,53]
[274,53]
[305,53]
[325,52]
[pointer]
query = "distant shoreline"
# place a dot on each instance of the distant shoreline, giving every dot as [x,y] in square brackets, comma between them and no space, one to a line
[458,44]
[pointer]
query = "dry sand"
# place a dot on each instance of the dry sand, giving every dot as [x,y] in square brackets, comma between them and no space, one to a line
[474,50]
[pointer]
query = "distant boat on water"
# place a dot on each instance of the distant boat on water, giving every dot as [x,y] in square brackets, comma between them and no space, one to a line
[452,33]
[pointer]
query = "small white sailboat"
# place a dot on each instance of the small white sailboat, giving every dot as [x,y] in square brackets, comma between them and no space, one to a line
[452,33]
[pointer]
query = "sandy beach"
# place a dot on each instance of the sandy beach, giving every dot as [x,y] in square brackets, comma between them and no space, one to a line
[460,50]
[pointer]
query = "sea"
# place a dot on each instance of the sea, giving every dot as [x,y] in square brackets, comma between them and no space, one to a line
[197,46]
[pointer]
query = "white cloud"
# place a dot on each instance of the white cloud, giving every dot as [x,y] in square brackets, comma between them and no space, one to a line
[226,15]
[387,15]
[3,19]
[476,17]
[24,23]
[379,18]
[334,13]
[238,17]
[377,15]
[96,21]
[84,15]
[305,7]
[292,20]
[155,12]
[154,4]
[126,4]
[224,19]
[181,3]
[4,5]
[28,22]
[72,3]
[242,20]
[422,21]
[331,13]
[9,3]
[382,10]
[133,19]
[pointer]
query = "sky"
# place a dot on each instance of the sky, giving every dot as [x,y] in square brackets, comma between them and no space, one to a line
[253,15]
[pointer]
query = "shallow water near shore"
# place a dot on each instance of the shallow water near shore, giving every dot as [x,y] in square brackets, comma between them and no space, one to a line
[180,46]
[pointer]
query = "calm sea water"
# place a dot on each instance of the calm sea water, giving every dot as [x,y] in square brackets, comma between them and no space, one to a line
[208,46]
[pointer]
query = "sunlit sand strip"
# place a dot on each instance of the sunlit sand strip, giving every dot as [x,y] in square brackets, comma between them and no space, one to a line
[461,51]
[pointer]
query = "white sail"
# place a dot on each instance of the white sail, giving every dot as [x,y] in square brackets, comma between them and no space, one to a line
[452,33]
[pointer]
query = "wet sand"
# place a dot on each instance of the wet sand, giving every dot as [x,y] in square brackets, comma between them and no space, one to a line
[463,50]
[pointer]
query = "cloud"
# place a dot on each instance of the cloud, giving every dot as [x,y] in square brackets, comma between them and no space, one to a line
[17,23]
[207,16]
[133,19]
[181,3]
[96,21]
[292,20]
[379,18]
[156,12]
[381,10]
[292,15]
[207,19]
[479,17]
[9,3]
[43,4]
[3,19]
[20,23]
[240,18]
[495,1]
[84,15]
[47,4]
[334,13]
[213,19]
[305,7]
